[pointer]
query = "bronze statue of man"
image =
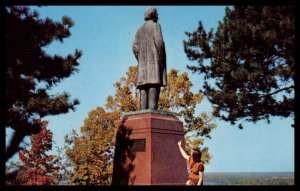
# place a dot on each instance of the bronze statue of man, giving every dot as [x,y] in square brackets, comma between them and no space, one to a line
[149,50]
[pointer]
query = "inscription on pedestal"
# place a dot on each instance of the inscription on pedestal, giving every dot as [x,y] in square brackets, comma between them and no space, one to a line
[138,145]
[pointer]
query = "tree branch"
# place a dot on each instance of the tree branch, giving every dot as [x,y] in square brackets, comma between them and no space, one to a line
[13,146]
[277,91]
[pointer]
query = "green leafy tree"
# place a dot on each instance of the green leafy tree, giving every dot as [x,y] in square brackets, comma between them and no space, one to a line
[248,63]
[30,72]
[90,154]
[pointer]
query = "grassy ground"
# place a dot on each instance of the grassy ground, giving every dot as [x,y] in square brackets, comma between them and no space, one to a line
[262,178]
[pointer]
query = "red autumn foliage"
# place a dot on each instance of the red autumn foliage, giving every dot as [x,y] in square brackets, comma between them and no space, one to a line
[36,167]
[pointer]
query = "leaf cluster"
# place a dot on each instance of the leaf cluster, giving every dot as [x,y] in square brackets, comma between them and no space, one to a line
[248,64]
[90,155]
[36,167]
[30,72]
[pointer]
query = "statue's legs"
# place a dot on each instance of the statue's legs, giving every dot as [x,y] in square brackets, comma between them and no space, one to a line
[149,97]
[153,95]
[143,99]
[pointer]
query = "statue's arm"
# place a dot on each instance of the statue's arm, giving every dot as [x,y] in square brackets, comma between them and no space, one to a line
[158,38]
[135,47]
[160,45]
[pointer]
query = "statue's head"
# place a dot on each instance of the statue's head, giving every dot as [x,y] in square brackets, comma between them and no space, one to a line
[151,14]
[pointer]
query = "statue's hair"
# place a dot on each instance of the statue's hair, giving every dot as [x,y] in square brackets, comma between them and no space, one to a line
[151,14]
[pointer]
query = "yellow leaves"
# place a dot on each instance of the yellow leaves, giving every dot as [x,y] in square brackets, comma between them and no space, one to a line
[205,155]
[163,102]
[197,142]
[91,154]
[193,142]
[177,95]
[99,118]
[110,168]
[197,98]
[131,74]
[110,102]
[173,72]
[125,98]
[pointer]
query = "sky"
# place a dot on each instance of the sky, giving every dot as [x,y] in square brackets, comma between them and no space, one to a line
[105,35]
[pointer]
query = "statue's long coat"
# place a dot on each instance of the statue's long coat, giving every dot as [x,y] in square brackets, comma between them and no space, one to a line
[149,50]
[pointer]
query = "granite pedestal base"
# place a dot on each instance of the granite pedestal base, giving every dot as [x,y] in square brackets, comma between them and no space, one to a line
[146,151]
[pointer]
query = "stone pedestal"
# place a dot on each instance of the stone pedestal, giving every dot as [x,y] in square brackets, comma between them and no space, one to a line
[146,150]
